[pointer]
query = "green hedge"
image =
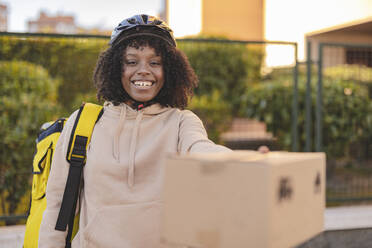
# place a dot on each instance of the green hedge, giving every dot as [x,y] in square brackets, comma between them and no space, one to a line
[216,114]
[361,75]
[356,73]
[72,60]
[227,67]
[225,70]
[347,114]
[28,98]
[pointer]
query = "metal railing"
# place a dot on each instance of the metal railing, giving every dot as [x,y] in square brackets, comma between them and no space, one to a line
[349,175]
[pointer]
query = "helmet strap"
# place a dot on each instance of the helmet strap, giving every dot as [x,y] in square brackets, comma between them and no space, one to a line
[139,105]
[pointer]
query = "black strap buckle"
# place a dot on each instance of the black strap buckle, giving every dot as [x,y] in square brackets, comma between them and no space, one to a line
[76,160]
[78,153]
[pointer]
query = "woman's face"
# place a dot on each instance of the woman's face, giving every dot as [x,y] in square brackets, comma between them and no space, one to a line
[142,76]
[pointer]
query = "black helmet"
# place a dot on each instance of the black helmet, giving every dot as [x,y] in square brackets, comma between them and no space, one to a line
[143,25]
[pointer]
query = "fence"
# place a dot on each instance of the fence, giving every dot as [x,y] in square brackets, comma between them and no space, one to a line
[349,167]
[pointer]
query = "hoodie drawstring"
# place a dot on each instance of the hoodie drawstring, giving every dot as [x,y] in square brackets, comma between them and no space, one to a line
[133,142]
[132,149]
[116,145]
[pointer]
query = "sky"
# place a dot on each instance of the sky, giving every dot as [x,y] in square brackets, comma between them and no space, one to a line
[88,13]
[290,20]
[285,20]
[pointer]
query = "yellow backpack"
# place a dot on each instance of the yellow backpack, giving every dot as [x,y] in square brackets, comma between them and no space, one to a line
[82,130]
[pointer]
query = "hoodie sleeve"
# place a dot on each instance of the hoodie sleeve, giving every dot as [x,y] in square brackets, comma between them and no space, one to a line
[193,137]
[48,236]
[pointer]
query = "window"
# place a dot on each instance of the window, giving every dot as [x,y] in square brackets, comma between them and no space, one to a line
[359,56]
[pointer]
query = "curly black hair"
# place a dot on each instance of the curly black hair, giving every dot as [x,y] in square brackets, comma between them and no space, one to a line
[179,77]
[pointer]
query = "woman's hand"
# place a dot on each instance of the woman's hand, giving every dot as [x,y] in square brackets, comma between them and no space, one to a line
[263,149]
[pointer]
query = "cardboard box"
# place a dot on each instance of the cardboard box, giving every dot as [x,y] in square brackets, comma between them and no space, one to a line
[243,199]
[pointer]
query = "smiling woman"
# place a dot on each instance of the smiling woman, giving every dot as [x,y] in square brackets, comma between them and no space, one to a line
[146,83]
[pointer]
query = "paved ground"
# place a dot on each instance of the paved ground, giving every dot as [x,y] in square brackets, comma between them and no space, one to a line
[339,222]
[342,218]
[344,227]
[12,236]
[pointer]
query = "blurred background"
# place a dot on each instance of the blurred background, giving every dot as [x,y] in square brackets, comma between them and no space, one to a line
[294,75]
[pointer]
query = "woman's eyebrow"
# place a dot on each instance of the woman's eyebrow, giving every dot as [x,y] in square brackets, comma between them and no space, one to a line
[134,54]
[155,56]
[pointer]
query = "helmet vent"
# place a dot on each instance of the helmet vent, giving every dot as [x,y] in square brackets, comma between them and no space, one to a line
[157,22]
[144,18]
[132,21]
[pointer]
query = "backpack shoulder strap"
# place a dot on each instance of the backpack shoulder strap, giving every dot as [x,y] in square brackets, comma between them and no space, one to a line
[81,133]
[86,119]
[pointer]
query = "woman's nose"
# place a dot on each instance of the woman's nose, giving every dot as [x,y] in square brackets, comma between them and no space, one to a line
[143,69]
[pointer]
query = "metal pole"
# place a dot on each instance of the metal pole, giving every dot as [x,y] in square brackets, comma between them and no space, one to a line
[308,118]
[295,103]
[319,117]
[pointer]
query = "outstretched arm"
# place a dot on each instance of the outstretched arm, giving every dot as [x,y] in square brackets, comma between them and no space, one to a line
[193,137]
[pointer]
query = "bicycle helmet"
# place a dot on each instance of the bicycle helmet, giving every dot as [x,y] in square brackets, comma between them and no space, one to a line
[142,25]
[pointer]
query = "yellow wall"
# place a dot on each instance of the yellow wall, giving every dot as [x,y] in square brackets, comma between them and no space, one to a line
[237,19]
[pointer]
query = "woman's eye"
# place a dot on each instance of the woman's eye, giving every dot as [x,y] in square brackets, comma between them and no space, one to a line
[130,62]
[155,63]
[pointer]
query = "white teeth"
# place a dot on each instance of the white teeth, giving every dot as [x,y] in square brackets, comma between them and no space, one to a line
[142,83]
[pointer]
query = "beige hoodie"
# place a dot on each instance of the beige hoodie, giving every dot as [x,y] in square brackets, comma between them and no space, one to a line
[121,198]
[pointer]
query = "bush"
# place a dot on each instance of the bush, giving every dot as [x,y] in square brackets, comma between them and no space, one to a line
[225,71]
[27,99]
[72,60]
[227,67]
[214,113]
[356,73]
[347,113]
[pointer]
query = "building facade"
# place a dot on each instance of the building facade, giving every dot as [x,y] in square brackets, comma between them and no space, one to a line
[3,18]
[353,37]
[234,19]
[53,24]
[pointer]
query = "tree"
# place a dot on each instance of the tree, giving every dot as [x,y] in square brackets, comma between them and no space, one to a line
[27,99]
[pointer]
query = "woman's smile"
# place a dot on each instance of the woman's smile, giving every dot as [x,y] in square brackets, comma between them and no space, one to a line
[143,84]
